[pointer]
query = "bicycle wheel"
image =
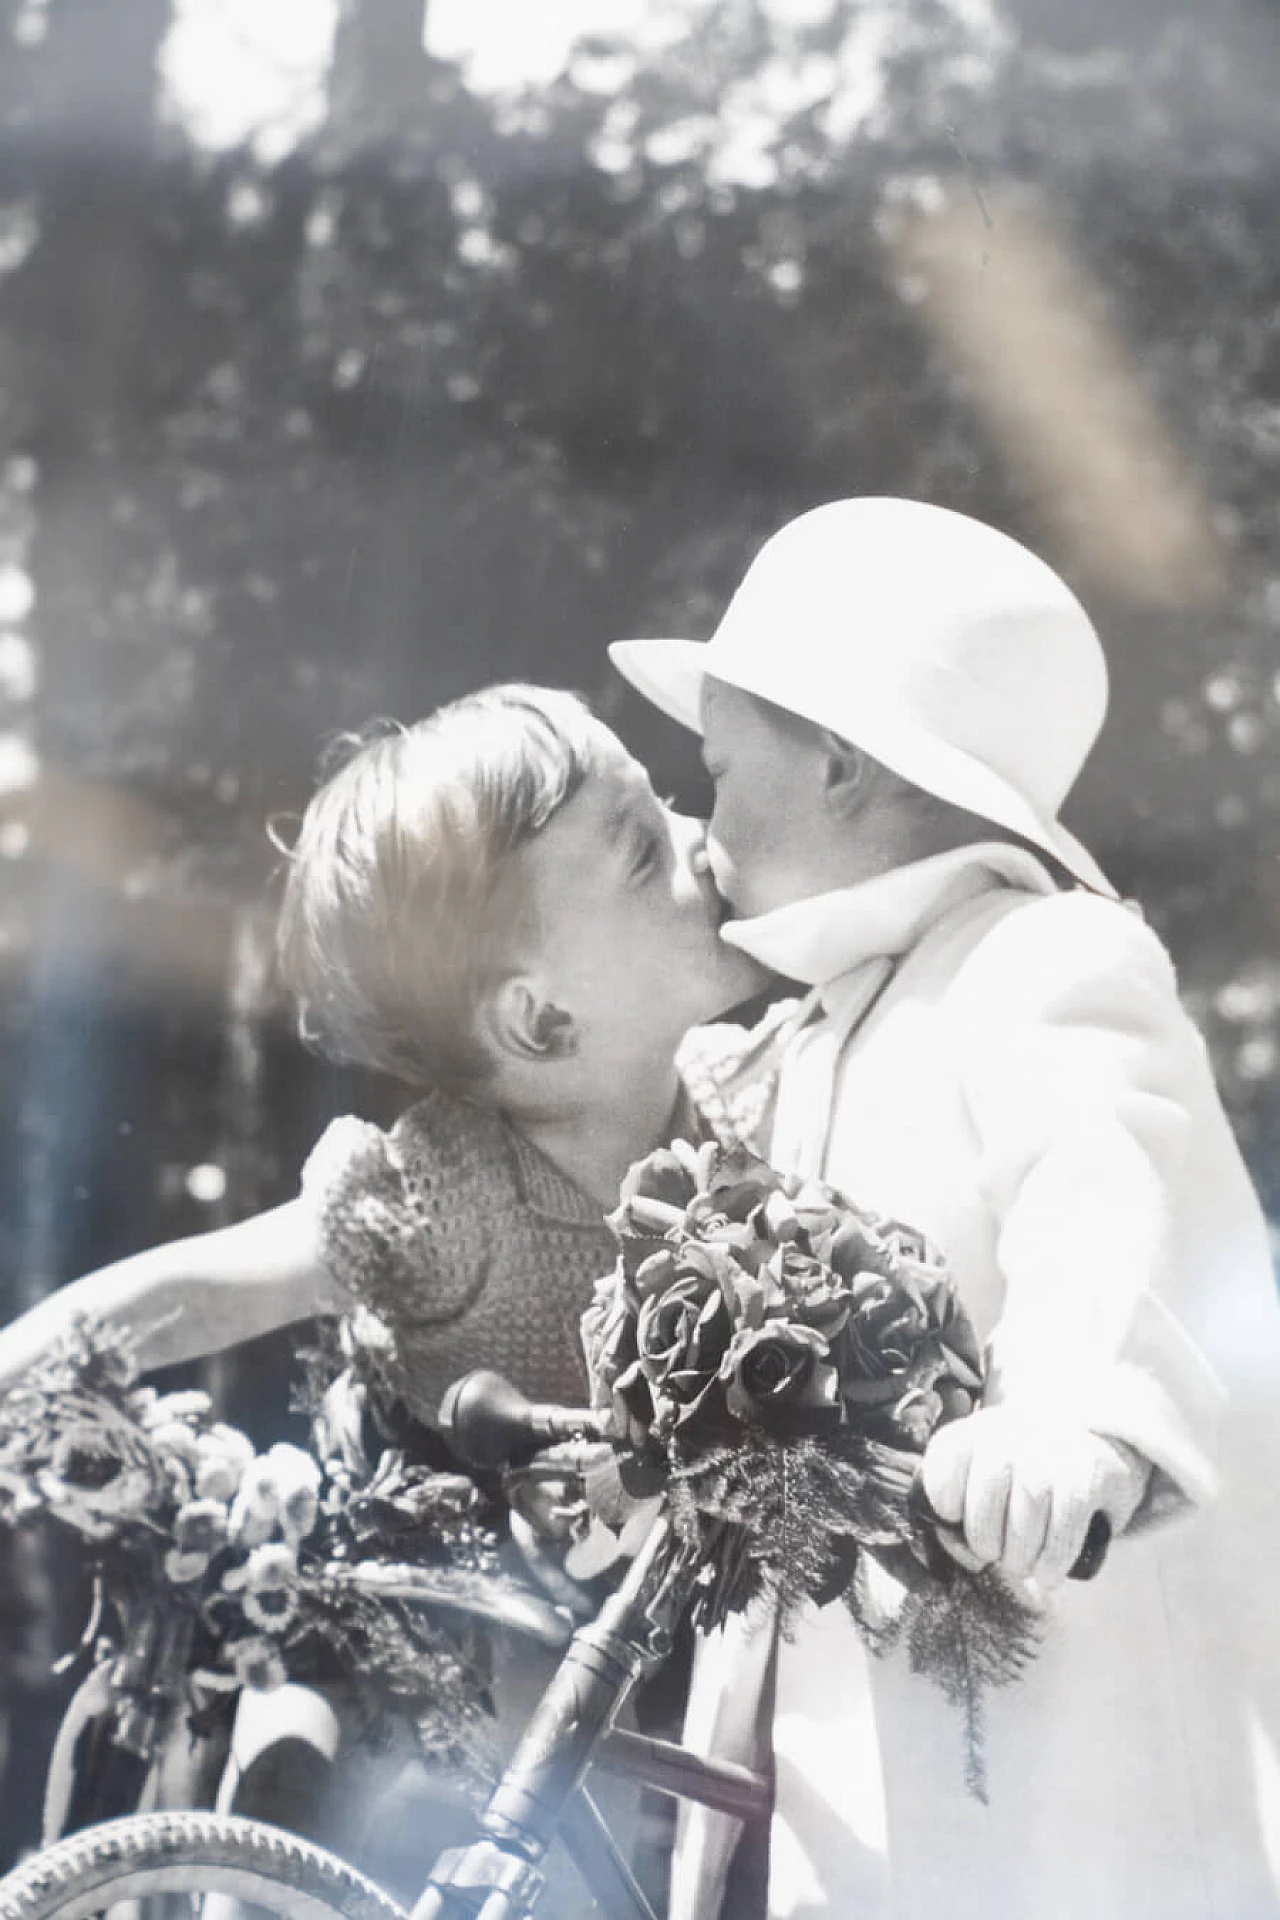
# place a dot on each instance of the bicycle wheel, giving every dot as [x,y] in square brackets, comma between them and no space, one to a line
[151,1854]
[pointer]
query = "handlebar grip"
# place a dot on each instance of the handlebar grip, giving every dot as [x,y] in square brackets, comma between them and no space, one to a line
[1094,1551]
[1088,1563]
[491,1424]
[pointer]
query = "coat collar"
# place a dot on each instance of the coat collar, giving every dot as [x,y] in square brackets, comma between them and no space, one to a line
[822,939]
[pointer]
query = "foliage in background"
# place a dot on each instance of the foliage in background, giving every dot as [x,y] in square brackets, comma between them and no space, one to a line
[464,385]
[461,385]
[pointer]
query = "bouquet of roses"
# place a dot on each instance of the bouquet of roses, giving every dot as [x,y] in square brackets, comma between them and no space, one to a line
[779,1360]
[218,1567]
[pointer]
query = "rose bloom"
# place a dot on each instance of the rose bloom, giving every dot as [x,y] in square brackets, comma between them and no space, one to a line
[857,1246]
[665,1175]
[602,1327]
[652,1202]
[883,1337]
[609,1341]
[684,1330]
[815,1209]
[955,1333]
[738,1192]
[779,1377]
[814,1295]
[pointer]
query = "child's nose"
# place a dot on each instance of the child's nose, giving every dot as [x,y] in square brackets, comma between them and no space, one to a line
[688,832]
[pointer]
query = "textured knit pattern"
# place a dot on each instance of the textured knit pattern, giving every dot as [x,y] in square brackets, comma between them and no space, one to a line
[471,1245]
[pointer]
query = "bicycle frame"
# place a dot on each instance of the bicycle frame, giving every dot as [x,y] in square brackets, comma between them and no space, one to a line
[115,1727]
[499,1877]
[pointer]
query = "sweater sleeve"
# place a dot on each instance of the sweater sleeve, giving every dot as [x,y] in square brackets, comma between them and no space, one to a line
[406,1219]
[351,1186]
[1076,1060]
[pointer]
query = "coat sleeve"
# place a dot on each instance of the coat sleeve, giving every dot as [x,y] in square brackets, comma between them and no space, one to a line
[1077,1062]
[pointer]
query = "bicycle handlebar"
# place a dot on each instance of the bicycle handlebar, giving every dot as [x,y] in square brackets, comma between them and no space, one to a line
[491,1424]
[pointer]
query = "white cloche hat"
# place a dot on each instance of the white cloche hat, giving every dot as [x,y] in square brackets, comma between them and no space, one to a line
[934,643]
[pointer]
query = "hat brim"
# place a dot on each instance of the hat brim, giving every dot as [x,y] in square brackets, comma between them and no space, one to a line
[670,673]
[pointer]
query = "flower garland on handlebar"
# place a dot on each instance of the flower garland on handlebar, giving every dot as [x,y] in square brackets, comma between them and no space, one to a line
[779,1361]
[217,1567]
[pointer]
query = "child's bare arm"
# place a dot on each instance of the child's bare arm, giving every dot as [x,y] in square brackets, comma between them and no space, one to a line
[189,1297]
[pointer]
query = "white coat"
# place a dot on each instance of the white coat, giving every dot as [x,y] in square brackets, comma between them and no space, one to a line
[1018,1079]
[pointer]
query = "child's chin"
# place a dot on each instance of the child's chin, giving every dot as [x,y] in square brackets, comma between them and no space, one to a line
[741,983]
[747,973]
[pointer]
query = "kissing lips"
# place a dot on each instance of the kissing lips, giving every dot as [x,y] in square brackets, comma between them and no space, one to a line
[717,906]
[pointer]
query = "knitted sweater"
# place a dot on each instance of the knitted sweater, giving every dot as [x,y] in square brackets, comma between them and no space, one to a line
[471,1245]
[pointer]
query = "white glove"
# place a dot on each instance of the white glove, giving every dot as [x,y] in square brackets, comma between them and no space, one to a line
[1024,1487]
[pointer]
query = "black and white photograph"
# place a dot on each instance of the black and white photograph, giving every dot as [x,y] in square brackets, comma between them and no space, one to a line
[639,959]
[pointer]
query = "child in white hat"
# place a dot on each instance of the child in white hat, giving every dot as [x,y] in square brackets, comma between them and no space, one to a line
[894,708]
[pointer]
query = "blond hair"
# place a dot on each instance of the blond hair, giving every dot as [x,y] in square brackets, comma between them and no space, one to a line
[400,896]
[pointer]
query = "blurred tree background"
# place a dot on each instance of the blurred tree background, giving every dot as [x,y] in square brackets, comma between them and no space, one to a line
[343,368]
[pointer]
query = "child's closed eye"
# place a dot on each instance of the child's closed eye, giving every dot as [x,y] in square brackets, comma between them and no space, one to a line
[646,858]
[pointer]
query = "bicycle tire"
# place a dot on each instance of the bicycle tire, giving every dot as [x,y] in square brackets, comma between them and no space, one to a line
[147,1854]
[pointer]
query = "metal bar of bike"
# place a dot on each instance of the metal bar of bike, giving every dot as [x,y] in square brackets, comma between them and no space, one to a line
[670,1768]
[586,1834]
[499,1877]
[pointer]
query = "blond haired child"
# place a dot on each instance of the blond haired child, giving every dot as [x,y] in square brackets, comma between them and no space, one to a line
[494,907]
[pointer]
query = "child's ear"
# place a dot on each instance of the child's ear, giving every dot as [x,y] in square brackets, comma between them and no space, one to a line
[846,772]
[523,1023]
